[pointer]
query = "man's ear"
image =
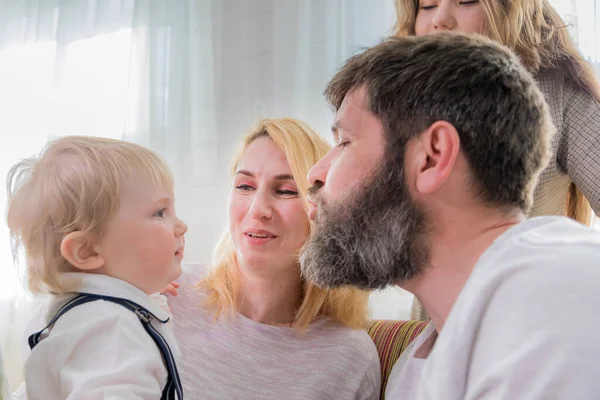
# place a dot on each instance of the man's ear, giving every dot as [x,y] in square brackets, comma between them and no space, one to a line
[438,149]
[77,248]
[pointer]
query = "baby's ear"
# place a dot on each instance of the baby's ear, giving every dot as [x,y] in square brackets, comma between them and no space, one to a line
[77,248]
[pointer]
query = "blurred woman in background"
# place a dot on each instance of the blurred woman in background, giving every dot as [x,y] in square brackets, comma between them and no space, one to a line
[536,33]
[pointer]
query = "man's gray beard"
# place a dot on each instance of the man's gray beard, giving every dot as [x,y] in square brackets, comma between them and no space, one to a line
[371,240]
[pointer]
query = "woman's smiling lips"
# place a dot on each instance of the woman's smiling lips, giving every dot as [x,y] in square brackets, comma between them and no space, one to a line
[259,236]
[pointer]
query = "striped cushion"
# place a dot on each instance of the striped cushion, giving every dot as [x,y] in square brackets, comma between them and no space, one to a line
[391,339]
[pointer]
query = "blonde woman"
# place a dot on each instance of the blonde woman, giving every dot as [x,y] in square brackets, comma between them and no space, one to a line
[537,34]
[250,327]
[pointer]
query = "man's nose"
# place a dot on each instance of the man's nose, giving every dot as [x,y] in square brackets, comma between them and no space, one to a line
[318,173]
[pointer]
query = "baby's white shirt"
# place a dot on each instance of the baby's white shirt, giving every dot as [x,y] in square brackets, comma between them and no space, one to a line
[97,350]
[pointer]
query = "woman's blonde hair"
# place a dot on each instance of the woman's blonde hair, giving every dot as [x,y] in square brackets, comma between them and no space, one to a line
[73,185]
[537,34]
[303,148]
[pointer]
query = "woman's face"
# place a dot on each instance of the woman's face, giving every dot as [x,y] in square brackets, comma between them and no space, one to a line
[267,217]
[465,16]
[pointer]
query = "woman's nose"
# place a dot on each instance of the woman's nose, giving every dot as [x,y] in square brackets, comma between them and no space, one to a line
[444,18]
[261,207]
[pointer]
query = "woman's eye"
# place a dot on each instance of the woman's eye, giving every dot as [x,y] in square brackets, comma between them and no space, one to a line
[244,187]
[429,6]
[343,144]
[286,192]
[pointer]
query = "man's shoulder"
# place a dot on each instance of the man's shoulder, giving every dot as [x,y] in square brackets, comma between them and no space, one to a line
[544,271]
[516,312]
[553,229]
[544,242]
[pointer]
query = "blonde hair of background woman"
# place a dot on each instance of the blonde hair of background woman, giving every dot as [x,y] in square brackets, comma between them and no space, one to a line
[303,148]
[537,34]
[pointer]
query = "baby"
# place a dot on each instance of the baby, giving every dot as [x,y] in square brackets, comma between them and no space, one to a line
[96,220]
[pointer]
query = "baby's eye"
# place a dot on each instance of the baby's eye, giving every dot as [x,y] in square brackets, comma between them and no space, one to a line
[160,213]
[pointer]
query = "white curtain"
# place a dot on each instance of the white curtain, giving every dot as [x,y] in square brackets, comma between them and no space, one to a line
[184,77]
[583,20]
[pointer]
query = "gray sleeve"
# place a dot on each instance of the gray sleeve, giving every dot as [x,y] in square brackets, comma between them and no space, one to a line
[579,147]
[370,385]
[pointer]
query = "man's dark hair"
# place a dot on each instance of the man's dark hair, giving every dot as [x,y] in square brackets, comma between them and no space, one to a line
[478,86]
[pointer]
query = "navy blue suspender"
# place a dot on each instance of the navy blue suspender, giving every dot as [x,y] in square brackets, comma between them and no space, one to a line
[173,389]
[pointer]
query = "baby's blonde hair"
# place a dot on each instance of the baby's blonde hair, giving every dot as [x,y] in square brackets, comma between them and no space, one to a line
[73,185]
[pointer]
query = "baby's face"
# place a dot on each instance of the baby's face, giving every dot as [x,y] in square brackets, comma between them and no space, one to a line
[144,242]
